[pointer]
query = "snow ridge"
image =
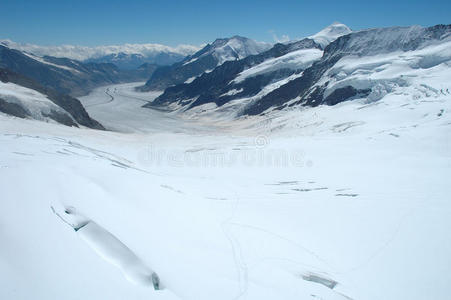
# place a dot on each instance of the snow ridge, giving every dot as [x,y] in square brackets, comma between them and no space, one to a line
[233,48]
[330,34]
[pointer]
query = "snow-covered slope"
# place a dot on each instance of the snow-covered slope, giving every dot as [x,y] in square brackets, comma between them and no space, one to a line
[329,202]
[118,54]
[233,48]
[23,97]
[330,34]
[296,60]
[426,71]
[368,64]
[24,102]
[306,201]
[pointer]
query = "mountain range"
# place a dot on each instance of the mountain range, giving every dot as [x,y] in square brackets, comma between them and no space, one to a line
[205,60]
[128,56]
[330,67]
[45,87]
[238,76]
[66,75]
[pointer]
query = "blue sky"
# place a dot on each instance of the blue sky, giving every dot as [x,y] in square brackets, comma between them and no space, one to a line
[172,22]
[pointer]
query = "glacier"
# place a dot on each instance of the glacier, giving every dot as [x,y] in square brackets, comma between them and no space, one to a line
[331,202]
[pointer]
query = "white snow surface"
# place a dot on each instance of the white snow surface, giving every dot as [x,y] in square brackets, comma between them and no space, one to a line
[35,103]
[296,60]
[107,246]
[191,79]
[41,60]
[342,202]
[330,34]
[85,52]
[423,72]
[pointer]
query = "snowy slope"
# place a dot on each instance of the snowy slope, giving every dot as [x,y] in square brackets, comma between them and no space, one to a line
[296,60]
[425,71]
[330,34]
[308,201]
[34,104]
[368,63]
[349,201]
[23,97]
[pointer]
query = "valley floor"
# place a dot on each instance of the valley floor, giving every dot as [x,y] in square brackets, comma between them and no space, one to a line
[343,202]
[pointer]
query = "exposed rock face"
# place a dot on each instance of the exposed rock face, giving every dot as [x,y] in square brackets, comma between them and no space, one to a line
[343,94]
[13,109]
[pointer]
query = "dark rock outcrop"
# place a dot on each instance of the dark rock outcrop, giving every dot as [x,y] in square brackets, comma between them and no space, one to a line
[13,109]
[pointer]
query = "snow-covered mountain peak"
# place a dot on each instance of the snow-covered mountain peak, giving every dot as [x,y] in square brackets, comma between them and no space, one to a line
[205,60]
[330,33]
[385,40]
[236,47]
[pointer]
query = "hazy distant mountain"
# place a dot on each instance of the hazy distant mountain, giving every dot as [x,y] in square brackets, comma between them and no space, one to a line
[68,76]
[128,56]
[206,59]
[132,61]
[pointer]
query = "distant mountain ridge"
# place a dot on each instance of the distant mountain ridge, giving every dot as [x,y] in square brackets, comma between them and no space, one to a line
[206,59]
[133,61]
[68,76]
[243,78]
[252,75]
[127,56]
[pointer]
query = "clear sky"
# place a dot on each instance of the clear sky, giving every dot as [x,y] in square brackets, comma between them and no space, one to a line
[171,22]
